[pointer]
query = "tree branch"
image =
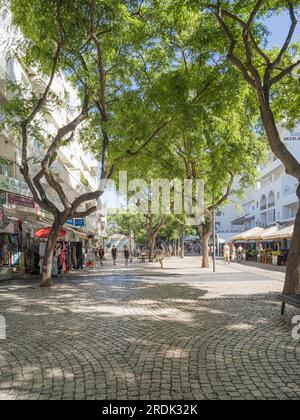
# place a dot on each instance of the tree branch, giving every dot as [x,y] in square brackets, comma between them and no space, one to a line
[160,224]
[242,23]
[68,128]
[130,154]
[225,196]
[245,34]
[289,38]
[83,214]
[231,56]
[286,72]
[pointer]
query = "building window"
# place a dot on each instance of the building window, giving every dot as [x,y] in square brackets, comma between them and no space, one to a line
[263,203]
[6,170]
[271,200]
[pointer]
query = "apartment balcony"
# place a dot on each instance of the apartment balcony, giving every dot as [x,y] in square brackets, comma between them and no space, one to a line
[70,180]
[290,198]
[290,189]
[270,167]
[3,85]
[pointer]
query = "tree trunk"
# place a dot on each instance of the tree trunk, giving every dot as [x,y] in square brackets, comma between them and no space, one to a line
[151,244]
[174,249]
[292,277]
[182,231]
[48,256]
[205,249]
[204,232]
[292,167]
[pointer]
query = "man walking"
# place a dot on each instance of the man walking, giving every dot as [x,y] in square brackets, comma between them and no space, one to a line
[227,254]
[101,255]
[160,254]
[114,254]
[126,255]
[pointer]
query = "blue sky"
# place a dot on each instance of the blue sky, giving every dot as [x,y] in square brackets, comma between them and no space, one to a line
[279,27]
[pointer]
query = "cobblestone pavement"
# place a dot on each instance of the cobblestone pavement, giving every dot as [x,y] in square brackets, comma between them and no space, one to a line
[142,333]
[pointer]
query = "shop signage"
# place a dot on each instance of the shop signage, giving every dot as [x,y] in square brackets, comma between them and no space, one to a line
[79,222]
[76,222]
[17,200]
[3,198]
[292,137]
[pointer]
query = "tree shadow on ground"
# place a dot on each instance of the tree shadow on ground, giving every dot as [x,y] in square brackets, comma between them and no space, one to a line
[149,340]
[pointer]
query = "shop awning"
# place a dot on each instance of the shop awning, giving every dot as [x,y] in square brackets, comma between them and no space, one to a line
[45,232]
[250,235]
[286,233]
[268,232]
[242,220]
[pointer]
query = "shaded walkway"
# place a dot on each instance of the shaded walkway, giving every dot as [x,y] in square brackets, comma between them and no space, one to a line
[146,334]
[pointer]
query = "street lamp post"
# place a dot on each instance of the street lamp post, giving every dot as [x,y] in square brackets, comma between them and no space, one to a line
[214,233]
[130,244]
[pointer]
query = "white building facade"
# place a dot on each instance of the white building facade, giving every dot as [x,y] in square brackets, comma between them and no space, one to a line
[75,168]
[273,201]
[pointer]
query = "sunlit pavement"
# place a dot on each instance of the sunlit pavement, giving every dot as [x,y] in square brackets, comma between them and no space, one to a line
[146,333]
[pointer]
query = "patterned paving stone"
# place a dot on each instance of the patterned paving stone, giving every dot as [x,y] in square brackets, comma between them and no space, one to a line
[141,333]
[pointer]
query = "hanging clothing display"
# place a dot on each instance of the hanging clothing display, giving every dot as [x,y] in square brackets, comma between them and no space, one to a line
[42,249]
[10,250]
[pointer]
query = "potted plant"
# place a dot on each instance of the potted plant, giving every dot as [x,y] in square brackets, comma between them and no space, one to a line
[255,254]
[260,252]
[276,257]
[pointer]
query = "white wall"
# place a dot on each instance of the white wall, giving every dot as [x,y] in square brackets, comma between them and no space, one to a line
[273,179]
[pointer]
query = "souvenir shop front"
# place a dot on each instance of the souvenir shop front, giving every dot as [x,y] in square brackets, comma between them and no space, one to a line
[70,251]
[22,250]
[10,247]
[14,212]
[68,254]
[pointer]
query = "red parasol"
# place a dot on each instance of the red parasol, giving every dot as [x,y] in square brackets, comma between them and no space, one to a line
[45,233]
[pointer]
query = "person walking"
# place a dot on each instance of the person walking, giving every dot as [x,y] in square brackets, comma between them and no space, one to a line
[227,254]
[160,256]
[232,253]
[240,253]
[101,255]
[114,254]
[126,255]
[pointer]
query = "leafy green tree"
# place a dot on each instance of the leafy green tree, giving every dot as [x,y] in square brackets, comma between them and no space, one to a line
[146,170]
[240,39]
[213,136]
[213,152]
[127,223]
[273,75]
[102,48]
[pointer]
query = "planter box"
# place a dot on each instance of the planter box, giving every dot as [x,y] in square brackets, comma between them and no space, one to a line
[275,260]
